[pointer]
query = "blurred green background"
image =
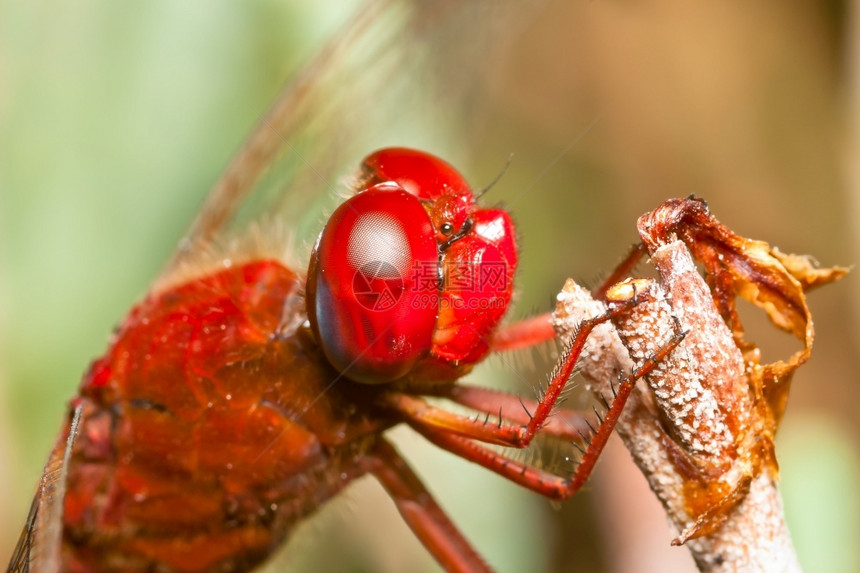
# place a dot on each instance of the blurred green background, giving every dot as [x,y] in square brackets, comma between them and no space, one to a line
[116,118]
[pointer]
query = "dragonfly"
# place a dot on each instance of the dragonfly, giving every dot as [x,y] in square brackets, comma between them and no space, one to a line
[307,444]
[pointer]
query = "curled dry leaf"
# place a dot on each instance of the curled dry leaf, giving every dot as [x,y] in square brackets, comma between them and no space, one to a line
[736,266]
[701,427]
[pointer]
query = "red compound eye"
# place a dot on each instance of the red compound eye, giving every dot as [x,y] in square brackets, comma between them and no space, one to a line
[422,174]
[372,290]
[430,179]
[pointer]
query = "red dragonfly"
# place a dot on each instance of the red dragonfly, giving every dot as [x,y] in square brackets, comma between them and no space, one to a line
[242,392]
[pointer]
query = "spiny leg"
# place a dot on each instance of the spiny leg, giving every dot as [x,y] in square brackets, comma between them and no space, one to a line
[421,512]
[564,424]
[542,482]
[621,271]
[495,426]
[537,329]
[563,373]
[417,412]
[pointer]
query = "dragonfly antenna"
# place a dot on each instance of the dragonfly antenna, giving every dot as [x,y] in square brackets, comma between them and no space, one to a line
[498,177]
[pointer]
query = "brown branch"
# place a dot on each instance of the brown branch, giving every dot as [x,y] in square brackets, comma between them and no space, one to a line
[681,408]
[701,426]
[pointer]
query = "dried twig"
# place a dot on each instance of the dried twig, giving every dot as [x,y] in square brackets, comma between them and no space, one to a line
[701,426]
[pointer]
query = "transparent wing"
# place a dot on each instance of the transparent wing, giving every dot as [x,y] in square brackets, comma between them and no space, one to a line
[399,72]
[39,545]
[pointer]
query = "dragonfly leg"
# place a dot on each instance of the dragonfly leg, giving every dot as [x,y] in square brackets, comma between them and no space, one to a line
[421,512]
[420,414]
[537,329]
[495,427]
[621,271]
[542,482]
[564,371]
[523,333]
[564,424]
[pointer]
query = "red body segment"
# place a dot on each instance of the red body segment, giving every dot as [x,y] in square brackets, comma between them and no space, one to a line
[205,437]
